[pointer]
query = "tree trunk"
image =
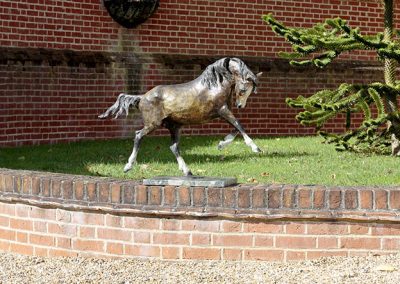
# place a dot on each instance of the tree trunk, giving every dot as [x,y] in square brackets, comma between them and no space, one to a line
[390,77]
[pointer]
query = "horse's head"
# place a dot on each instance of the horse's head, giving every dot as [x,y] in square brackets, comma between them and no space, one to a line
[245,81]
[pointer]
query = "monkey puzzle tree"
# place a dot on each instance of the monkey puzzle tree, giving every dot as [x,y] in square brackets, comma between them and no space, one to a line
[319,46]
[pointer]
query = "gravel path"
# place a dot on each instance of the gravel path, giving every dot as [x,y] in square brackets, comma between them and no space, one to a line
[372,269]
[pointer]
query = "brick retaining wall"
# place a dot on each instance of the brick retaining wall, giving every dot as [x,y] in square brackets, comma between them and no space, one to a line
[65,215]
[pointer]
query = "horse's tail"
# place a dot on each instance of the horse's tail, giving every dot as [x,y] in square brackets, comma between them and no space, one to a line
[123,103]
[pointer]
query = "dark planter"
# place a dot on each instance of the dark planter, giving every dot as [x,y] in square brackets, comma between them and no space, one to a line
[130,13]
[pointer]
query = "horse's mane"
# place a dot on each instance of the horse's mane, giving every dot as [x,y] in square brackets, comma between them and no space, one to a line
[216,73]
[244,71]
[219,71]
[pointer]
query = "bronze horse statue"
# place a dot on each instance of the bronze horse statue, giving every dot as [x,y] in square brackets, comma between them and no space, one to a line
[207,97]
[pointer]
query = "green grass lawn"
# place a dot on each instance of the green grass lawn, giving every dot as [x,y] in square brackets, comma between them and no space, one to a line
[304,160]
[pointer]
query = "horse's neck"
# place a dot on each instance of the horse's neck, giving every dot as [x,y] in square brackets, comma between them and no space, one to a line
[231,93]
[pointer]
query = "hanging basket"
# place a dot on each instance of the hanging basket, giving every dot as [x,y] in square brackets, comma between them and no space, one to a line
[130,13]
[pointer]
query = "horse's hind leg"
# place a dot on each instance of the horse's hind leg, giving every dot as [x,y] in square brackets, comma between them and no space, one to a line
[138,138]
[175,135]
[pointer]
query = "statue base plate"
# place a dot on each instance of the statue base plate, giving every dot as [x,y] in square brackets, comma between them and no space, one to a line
[191,181]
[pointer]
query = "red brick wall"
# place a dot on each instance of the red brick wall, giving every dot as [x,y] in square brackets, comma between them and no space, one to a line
[32,230]
[64,215]
[51,93]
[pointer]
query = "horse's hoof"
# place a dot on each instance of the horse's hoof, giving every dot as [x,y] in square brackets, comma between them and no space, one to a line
[189,174]
[127,168]
[220,147]
[257,150]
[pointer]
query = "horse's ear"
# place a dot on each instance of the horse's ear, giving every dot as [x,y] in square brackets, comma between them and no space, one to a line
[259,75]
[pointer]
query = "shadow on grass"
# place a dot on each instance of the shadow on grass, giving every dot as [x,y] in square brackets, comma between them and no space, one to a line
[242,157]
[289,154]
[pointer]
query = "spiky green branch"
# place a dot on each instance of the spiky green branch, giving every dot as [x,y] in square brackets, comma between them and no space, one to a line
[328,40]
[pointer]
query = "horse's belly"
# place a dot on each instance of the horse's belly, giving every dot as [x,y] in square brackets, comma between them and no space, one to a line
[193,117]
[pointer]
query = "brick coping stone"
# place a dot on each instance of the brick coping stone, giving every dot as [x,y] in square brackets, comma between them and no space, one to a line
[241,202]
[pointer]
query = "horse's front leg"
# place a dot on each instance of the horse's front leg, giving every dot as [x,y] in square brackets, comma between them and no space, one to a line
[225,113]
[228,139]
